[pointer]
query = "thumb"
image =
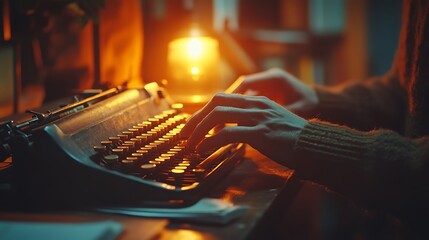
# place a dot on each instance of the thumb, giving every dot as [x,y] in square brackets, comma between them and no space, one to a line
[298,106]
[236,87]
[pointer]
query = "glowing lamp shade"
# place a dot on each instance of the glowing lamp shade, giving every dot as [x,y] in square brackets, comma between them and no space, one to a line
[193,65]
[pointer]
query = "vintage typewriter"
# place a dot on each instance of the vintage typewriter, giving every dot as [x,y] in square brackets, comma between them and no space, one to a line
[121,146]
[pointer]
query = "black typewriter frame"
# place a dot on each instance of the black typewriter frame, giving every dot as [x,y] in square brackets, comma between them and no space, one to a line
[51,171]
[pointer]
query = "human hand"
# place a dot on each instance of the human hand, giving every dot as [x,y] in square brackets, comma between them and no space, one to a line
[262,123]
[280,86]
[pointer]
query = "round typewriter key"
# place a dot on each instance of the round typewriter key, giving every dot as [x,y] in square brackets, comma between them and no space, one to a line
[170,135]
[163,140]
[166,138]
[147,166]
[174,150]
[181,147]
[123,137]
[143,138]
[129,160]
[166,121]
[128,133]
[142,127]
[152,133]
[131,143]
[165,158]
[139,126]
[167,126]
[177,106]
[170,112]
[106,143]
[137,141]
[99,149]
[178,171]
[118,151]
[146,124]
[160,117]
[134,131]
[180,167]
[175,130]
[131,146]
[153,146]
[157,129]
[171,122]
[147,148]
[111,158]
[126,148]
[137,155]
[143,152]
[115,140]
[167,155]
[173,153]
[179,116]
[154,120]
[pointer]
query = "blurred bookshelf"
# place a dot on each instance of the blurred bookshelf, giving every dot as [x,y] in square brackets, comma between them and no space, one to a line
[318,41]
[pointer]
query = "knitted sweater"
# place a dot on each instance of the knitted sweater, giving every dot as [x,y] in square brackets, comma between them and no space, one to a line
[370,141]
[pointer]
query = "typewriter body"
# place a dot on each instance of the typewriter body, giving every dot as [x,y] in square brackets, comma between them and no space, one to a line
[121,146]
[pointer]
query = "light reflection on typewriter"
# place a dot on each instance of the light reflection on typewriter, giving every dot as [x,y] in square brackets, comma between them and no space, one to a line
[153,150]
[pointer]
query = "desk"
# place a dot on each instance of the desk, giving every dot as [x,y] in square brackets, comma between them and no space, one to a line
[257,182]
[279,208]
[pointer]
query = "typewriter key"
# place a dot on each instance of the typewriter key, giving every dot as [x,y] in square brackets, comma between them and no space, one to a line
[147,166]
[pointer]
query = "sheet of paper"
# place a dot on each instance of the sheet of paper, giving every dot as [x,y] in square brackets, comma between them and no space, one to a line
[206,210]
[105,230]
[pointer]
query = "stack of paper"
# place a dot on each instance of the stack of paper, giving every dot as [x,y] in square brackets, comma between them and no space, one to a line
[207,210]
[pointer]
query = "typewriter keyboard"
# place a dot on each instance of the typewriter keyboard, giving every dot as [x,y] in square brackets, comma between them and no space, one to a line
[154,150]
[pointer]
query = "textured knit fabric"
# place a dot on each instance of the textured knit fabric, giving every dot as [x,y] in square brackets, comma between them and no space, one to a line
[370,141]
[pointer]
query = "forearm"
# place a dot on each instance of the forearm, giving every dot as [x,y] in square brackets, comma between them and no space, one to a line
[378,103]
[370,166]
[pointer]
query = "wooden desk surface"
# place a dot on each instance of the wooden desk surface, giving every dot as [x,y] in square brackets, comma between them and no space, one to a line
[256,182]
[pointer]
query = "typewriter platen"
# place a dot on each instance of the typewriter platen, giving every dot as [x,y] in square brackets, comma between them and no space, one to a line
[121,146]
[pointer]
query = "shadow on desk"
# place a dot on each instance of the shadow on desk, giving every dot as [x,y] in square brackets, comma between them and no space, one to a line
[318,213]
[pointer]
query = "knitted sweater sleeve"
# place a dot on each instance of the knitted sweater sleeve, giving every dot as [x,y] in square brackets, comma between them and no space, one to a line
[380,168]
[380,102]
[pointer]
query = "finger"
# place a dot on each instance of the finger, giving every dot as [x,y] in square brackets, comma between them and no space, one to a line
[236,134]
[295,106]
[255,80]
[233,87]
[220,99]
[220,116]
[299,107]
[248,82]
[190,124]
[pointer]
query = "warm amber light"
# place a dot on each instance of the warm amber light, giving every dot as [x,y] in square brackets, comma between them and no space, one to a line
[195,71]
[193,64]
[195,48]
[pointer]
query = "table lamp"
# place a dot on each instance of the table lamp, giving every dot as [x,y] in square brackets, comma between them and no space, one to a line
[193,64]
